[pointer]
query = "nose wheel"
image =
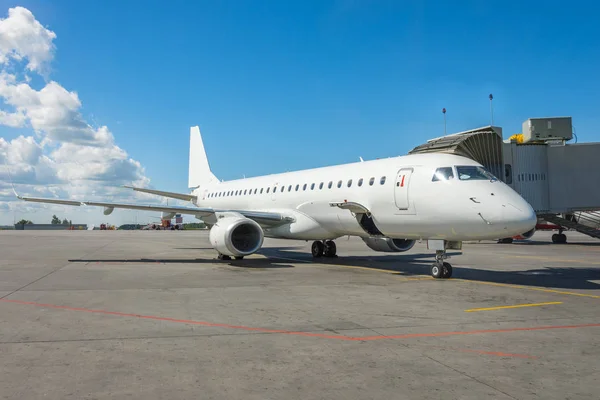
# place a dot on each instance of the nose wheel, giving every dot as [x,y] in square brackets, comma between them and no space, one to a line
[441,269]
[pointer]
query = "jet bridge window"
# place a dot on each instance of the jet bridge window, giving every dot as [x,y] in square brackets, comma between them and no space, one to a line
[474,173]
[443,174]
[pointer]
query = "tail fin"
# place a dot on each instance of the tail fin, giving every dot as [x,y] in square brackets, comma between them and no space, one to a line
[199,172]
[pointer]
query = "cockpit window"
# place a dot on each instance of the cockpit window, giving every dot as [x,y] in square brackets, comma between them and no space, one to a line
[474,173]
[443,174]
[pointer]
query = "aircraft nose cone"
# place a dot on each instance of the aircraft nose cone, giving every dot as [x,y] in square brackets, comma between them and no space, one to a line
[520,217]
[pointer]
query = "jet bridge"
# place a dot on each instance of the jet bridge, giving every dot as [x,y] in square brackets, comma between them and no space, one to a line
[561,181]
[483,145]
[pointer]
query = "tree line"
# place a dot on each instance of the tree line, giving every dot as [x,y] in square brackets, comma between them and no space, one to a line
[55,221]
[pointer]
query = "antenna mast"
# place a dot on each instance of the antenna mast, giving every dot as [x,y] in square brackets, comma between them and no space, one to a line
[444,112]
[492,109]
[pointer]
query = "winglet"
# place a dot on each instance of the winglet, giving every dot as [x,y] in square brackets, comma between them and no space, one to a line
[361,159]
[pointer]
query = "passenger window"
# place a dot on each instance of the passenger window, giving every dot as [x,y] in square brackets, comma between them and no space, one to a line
[349,182]
[304,187]
[268,189]
[321,185]
[297,187]
[371,181]
[282,189]
[245,190]
[330,184]
[312,186]
[382,181]
[360,181]
[443,174]
[340,184]
[290,188]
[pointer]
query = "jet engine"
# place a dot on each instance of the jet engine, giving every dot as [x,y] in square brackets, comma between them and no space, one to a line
[236,237]
[388,244]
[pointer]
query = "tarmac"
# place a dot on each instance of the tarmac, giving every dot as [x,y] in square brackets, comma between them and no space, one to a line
[154,315]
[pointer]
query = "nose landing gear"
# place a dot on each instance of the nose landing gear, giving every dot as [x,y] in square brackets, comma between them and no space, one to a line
[441,269]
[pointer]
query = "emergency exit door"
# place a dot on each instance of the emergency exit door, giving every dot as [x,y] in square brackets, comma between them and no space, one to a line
[401,188]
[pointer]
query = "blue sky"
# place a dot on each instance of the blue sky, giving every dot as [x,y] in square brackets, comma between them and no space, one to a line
[277,85]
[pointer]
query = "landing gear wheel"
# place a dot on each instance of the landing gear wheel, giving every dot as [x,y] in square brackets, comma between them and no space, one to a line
[329,249]
[317,249]
[223,257]
[239,257]
[437,271]
[505,240]
[447,270]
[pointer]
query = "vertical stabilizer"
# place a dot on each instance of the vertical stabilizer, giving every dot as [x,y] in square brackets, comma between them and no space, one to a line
[199,173]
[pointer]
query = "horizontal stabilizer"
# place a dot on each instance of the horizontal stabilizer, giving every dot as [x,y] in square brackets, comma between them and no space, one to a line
[180,196]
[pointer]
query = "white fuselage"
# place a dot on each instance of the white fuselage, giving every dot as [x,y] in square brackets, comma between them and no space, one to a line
[400,193]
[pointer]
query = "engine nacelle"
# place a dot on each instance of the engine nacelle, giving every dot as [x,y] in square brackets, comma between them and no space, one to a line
[389,245]
[236,237]
[525,235]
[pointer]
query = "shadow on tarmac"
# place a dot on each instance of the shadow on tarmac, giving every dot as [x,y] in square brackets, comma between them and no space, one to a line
[420,264]
[404,265]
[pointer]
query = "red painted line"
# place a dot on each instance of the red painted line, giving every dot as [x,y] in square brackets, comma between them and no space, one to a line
[307,334]
[182,321]
[402,184]
[438,334]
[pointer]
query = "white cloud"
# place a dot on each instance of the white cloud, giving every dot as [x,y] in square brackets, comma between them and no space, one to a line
[65,157]
[23,37]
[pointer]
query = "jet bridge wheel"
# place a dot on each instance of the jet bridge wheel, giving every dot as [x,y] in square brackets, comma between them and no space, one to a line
[317,249]
[559,238]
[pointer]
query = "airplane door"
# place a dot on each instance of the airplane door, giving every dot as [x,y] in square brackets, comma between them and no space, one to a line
[401,188]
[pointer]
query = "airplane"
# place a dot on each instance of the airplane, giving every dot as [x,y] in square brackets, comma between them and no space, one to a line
[389,203]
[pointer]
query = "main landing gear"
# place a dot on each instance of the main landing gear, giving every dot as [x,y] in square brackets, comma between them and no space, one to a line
[441,269]
[325,248]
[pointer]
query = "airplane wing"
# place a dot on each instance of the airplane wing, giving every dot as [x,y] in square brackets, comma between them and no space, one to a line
[180,196]
[267,219]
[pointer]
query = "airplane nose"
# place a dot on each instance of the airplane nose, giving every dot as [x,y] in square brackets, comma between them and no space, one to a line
[519,217]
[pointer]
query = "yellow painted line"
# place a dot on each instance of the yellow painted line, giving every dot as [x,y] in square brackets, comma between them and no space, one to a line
[515,306]
[539,289]
[557,259]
